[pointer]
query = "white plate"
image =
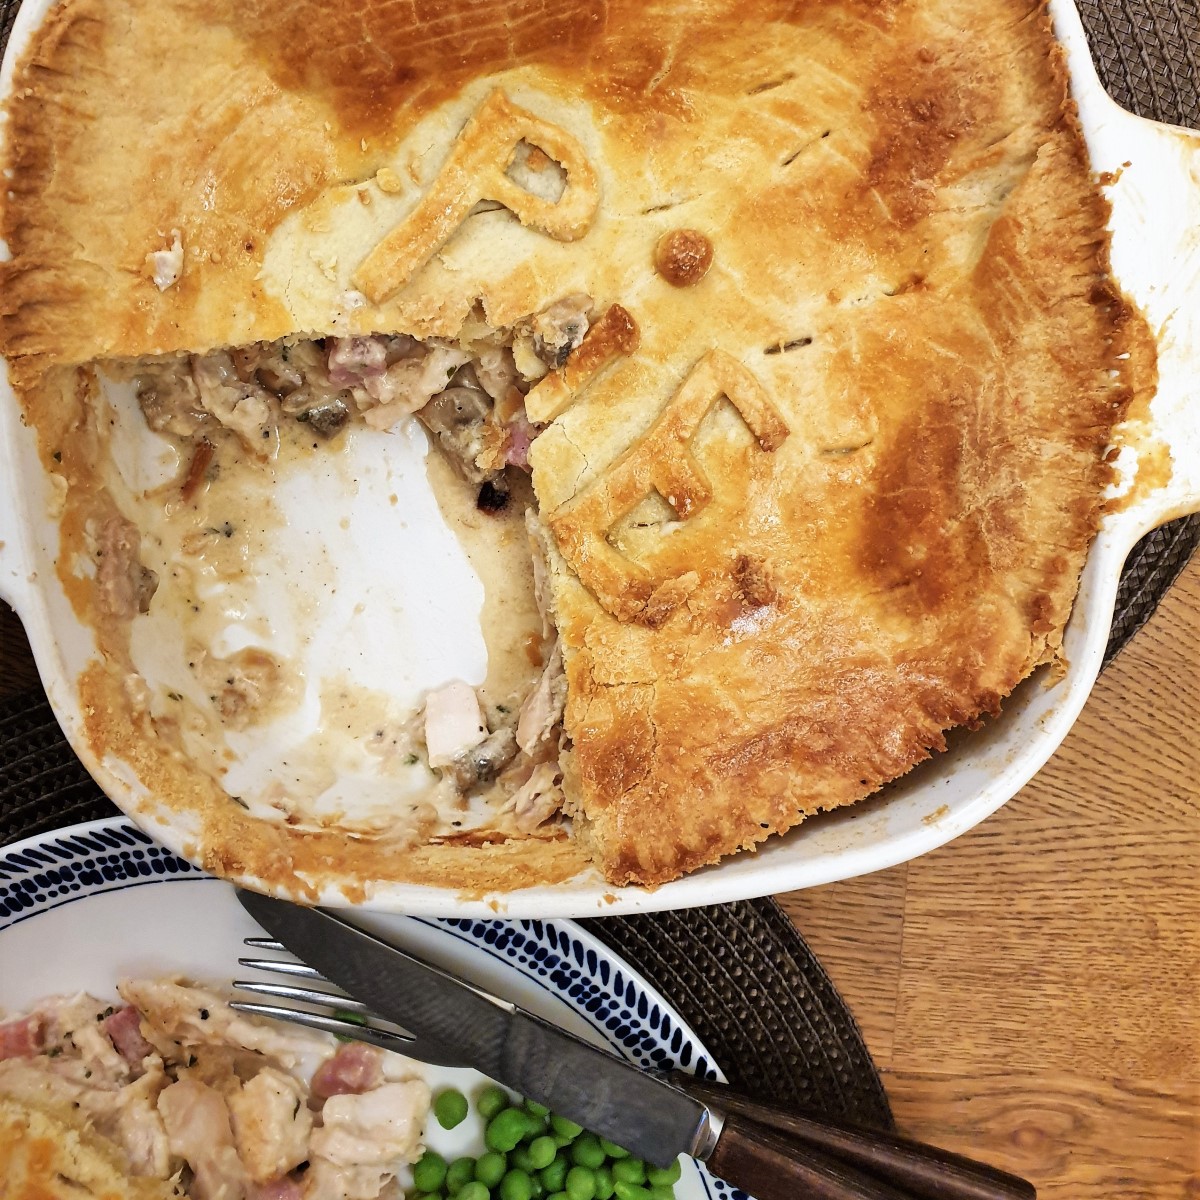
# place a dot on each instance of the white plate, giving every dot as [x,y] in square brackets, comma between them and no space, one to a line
[1155,197]
[84,907]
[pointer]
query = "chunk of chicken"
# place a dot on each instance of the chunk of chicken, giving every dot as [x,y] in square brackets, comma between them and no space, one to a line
[175,1015]
[377,1128]
[543,707]
[198,1131]
[407,385]
[138,1125]
[42,1083]
[77,1022]
[247,409]
[327,1181]
[538,798]
[454,723]
[271,1124]
[495,371]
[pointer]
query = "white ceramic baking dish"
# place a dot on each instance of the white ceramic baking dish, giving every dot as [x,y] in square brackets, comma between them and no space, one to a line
[1156,257]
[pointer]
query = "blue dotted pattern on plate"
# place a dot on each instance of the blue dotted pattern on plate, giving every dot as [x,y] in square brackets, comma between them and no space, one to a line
[601,990]
[116,855]
[112,856]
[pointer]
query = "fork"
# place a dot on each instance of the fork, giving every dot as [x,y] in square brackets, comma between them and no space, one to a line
[878,1165]
[371,1029]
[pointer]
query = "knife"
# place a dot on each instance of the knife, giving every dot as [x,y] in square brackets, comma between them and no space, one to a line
[648,1117]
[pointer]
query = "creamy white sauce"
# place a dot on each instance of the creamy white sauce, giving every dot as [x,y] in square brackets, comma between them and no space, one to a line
[339,561]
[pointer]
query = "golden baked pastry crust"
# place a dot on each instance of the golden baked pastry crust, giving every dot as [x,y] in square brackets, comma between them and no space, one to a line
[46,1155]
[908,304]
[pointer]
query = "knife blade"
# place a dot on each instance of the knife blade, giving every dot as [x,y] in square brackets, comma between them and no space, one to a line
[575,1079]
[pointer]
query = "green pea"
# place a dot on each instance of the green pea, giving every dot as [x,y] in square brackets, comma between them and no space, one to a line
[429,1172]
[585,1151]
[538,1110]
[554,1175]
[581,1183]
[522,1159]
[663,1191]
[492,1101]
[490,1168]
[427,1196]
[474,1191]
[632,1191]
[539,1188]
[516,1185]
[505,1130]
[541,1152]
[664,1176]
[629,1170]
[538,1123]
[565,1128]
[450,1108]
[612,1150]
[558,1196]
[604,1183]
[460,1172]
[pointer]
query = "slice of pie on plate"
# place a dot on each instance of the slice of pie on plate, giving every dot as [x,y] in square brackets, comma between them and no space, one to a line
[778,338]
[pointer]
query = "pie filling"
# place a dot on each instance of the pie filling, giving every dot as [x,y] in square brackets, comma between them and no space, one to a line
[492,768]
[217,1104]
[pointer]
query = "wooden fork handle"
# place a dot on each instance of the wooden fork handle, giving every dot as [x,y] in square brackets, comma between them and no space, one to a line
[922,1171]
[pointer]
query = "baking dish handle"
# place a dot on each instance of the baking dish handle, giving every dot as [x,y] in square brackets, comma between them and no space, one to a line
[1156,259]
[1152,180]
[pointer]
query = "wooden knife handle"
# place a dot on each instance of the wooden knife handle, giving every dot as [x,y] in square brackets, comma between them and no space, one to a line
[770,1166]
[923,1171]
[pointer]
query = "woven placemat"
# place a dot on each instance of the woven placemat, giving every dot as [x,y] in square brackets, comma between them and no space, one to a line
[739,973]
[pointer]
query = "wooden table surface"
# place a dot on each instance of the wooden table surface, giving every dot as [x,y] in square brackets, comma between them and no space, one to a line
[1031,992]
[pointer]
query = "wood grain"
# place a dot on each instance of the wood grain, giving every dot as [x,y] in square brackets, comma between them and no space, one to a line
[1069,1135]
[1045,967]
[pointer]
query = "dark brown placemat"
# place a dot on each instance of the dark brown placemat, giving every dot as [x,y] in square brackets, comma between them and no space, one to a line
[792,1038]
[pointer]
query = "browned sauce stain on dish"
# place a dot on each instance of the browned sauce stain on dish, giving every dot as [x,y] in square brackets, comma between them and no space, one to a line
[1140,374]
[934,817]
[233,844]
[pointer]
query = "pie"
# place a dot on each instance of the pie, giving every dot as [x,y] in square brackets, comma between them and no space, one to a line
[778,338]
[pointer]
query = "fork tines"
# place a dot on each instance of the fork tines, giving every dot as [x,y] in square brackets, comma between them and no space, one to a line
[343,1021]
